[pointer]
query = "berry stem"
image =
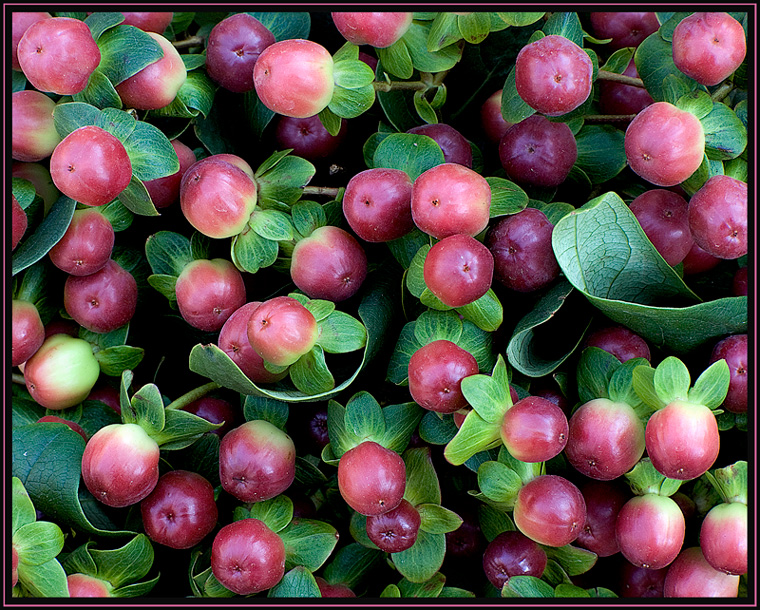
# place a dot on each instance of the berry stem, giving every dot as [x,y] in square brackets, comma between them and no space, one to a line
[192,41]
[722,92]
[326,191]
[620,78]
[386,86]
[193,395]
[18,378]
[608,118]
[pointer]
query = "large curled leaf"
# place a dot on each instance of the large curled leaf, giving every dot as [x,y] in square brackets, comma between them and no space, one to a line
[604,253]
[50,231]
[375,311]
[47,458]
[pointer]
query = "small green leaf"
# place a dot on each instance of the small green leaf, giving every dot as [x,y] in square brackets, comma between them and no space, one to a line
[499,482]
[353,564]
[310,373]
[493,521]
[168,253]
[443,31]
[275,513]
[113,360]
[391,590]
[618,61]
[181,429]
[137,199]
[44,580]
[416,38]
[352,73]
[424,109]
[38,543]
[276,412]
[513,108]
[573,560]
[364,417]
[99,92]
[340,333]
[486,312]
[489,398]
[411,153]
[50,231]
[475,435]
[593,372]
[436,429]
[148,408]
[601,154]
[711,387]
[396,59]
[23,511]
[283,183]
[436,325]
[506,197]
[565,24]
[70,116]
[570,591]
[419,563]
[643,385]
[526,586]
[672,380]
[307,216]
[308,543]
[474,26]
[251,252]
[422,485]
[401,420]
[436,519]
[297,583]
[520,19]
[351,103]
[151,153]
[272,224]
[415,279]
[725,134]
[428,299]
[125,50]
[698,103]
[427,589]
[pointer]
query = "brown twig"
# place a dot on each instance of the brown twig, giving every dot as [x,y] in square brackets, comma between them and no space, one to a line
[620,78]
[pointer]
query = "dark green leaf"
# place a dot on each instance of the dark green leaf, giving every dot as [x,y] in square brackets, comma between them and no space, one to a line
[523,352]
[276,512]
[125,50]
[526,586]
[298,582]
[594,371]
[47,458]
[276,412]
[99,92]
[422,485]
[285,25]
[420,562]
[307,216]
[151,153]
[18,81]
[565,24]
[400,422]
[654,64]
[408,152]
[352,565]
[50,231]
[308,543]
[396,59]
[364,417]
[513,108]
[506,197]
[258,115]
[284,182]
[113,360]
[499,482]
[136,198]
[168,252]
[725,134]
[574,560]
[423,60]
[100,22]
[486,312]
[437,430]
[600,152]
[310,373]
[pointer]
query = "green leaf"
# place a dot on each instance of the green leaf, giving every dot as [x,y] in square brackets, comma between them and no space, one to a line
[136,198]
[506,197]
[680,329]
[474,26]
[436,519]
[600,152]
[427,589]
[310,374]
[513,108]
[47,459]
[45,580]
[475,435]
[18,81]
[23,511]
[307,216]
[699,103]
[113,360]
[125,50]
[620,388]
[428,299]
[351,103]
[725,134]
[147,409]
[526,586]
[486,312]
[276,512]
[436,429]
[271,224]
[376,311]
[425,557]
[521,18]
[525,352]
[422,485]
[489,398]
[340,333]
[499,482]
[672,380]
[443,31]
[319,308]
[574,560]
[605,229]
[364,417]
[118,215]
[330,121]
[593,372]
[643,385]
[297,583]
[50,231]
[618,61]
[276,412]
[436,325]
[258,115]
[654,65]
[711,386]
[99,92]
[423,60]
[352,73]
[396,59]
[352,565]
[424,109]
[181,429]
[285,25]
[151,153]
[37,543]
[120,566]
[411,153]
[565,24]
[401,420]
[565,590]
[493,521]
[308,543]
[284,182]
[251,252]
[168,253]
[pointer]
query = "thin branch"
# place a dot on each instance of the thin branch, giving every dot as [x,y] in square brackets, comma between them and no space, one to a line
[608,118]
[619,78]
[193,395]
[193,41]
[327,191]
[384,87]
